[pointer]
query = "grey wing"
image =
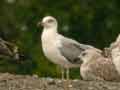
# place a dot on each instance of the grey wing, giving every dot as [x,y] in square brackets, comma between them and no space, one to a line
[71,50]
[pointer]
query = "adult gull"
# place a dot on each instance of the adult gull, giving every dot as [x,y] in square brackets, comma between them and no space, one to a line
[59,49]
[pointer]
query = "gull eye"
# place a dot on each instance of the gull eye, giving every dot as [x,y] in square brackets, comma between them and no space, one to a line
[50,20]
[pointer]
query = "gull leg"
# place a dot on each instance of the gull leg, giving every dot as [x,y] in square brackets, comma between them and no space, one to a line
[68,78]
[63,78]
[62,72]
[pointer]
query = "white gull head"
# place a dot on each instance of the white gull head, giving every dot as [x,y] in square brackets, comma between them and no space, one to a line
[48,22]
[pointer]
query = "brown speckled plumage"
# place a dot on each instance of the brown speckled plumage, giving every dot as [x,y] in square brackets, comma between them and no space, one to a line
[97,67]
[115,53]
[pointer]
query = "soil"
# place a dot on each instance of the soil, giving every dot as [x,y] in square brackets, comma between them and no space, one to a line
[26,82]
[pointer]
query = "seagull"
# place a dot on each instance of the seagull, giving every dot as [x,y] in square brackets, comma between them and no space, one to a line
[8,49]
[58,49]
[115,53]
[97,67]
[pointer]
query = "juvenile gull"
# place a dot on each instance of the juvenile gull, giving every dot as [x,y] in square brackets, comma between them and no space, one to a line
[59,49]
[115,53]
[8,49]
[97,67]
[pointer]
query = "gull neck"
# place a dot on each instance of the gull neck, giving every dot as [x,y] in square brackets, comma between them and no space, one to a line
[51,30]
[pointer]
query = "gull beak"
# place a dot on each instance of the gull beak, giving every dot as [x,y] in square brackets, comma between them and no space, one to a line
[40,24]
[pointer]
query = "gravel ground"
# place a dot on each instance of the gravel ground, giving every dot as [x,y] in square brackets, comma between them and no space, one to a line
[26,82]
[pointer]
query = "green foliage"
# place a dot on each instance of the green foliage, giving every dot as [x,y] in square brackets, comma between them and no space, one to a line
[88,21]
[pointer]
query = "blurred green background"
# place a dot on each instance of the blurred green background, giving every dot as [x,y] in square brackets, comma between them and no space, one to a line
[94,22]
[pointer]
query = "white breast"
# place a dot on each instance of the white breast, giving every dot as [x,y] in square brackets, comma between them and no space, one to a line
[50,44]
